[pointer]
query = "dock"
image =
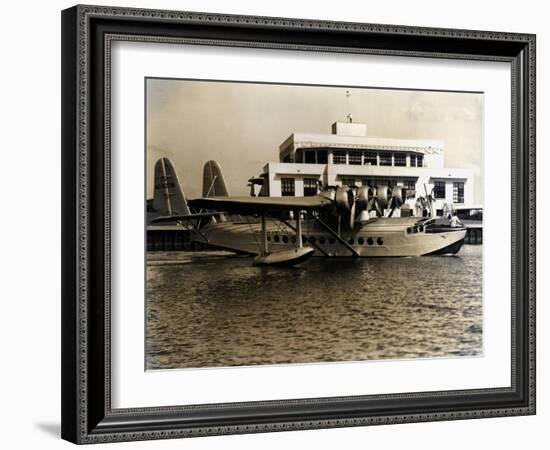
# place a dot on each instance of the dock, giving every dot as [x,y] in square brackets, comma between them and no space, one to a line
[474,232]
[168,238]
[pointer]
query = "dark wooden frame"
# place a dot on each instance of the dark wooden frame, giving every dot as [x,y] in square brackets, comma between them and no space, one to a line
[87,415]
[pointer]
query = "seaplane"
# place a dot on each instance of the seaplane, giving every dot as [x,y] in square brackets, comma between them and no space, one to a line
[339,221]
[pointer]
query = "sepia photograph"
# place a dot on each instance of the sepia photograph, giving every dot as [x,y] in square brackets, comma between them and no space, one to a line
[299,224]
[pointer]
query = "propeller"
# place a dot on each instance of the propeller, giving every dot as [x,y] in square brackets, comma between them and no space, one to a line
[358,202]
[352,215]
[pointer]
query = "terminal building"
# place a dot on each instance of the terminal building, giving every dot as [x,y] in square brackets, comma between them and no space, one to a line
[349,156]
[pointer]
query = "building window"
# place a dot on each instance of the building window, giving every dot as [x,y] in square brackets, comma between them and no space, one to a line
[439,189]
[347,181]
[286,158]
[385,159]
[410,188]
[400,159]
[339,157]
[298,156]
[355,158]
[409,185]
[381,182]
[322,157]
[412,158]
[310,157]
[287,187]
[310,186]
[370,159]
[419,160]
[458,192]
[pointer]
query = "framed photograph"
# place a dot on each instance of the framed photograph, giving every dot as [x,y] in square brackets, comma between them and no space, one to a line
[279,224]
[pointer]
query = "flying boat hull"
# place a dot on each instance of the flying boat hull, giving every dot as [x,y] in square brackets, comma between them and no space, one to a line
[382,237]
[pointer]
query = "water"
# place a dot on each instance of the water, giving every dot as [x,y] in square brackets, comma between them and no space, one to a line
[211,310]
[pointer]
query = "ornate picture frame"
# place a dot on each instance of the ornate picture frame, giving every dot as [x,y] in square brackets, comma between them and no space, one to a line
[88,33]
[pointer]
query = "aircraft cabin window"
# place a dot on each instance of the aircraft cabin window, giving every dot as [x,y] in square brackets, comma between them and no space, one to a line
[285,239]
[360,241]
[322,240]
[276,238]
[370,241]
[351,241]
[380,241]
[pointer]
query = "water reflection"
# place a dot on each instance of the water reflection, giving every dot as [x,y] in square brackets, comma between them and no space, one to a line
[206,311]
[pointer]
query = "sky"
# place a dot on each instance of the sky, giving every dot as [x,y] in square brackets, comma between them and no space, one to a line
[241,125]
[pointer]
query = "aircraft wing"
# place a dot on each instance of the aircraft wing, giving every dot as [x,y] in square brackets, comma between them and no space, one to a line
[258,205]
[183,217]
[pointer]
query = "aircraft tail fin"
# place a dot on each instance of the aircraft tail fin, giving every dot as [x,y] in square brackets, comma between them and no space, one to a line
[168,198]
[213,182]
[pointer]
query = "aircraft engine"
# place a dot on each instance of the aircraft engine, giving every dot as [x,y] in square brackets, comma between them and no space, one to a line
[364,196]
[383,194]
[397,196]
[343,199]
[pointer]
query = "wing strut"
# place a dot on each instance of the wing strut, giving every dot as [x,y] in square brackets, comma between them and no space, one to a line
[337,237]
[264,236]
[299,229]
[311,243]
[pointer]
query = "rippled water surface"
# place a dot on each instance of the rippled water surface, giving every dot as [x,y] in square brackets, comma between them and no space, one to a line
[215,309]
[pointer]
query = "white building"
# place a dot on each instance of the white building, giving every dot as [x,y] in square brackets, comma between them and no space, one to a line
[350,157]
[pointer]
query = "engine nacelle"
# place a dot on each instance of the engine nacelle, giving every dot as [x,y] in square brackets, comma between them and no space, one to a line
[364,195]
[397,196]
[383,195]
[343,199]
